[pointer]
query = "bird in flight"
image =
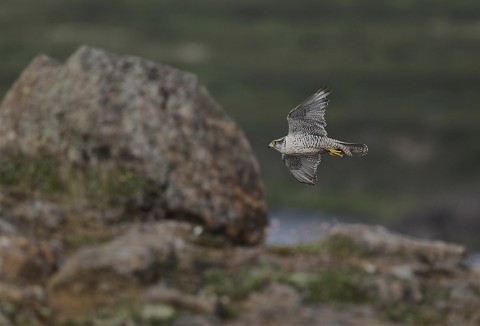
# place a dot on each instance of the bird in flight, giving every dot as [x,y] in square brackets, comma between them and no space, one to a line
[307,139]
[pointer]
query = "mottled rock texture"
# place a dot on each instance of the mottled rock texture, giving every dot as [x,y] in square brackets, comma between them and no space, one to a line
[118,270]
[102,109]
[25,262]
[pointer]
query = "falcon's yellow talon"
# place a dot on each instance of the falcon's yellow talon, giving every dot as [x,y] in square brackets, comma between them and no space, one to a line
[335,152]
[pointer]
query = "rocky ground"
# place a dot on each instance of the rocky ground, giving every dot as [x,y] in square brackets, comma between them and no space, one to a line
[129,198]
[176,273]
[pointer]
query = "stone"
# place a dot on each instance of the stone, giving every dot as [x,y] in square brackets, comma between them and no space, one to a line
[279,304]
[118,270]
[15,294]
[403,272]
[7,228]
[24,261]
[22,305]
[378,240]
[38,218]
[165,271]
[102,109]
[162,294]
[157,313]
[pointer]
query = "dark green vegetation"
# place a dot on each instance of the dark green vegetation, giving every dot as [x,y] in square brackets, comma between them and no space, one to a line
[404,74]
[323,285]
[101,186]
[336,245]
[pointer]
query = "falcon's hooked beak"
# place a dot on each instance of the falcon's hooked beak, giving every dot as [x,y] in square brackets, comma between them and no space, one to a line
[272,144]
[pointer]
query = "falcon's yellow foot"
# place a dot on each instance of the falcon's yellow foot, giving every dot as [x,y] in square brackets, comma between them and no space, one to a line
[335,152]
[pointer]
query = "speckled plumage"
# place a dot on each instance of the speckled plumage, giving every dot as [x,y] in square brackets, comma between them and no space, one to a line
[307,139]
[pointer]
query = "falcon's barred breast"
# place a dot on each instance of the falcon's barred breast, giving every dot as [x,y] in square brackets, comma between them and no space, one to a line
[307,139]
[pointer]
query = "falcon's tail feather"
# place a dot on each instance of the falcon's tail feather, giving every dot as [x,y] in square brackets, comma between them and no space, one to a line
[359,149]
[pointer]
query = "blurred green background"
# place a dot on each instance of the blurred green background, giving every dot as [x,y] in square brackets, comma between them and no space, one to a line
[404,75]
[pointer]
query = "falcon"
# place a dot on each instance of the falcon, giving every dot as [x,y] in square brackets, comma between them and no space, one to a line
[307,139]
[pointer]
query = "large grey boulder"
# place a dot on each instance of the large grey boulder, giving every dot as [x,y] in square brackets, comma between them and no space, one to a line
[102,109]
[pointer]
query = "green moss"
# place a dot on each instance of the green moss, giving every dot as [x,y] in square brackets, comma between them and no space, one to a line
[31,173]
[102,185]
[226,310]
[335,245]
[239,283]
[341,246]
[211,240]
[105,186]
[413,314]
[105,317]
[166,270]
[341,285]
[80,321]
[15,312]
[128,313]
[291,250]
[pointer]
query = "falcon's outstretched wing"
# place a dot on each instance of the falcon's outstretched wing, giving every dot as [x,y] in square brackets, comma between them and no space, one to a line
[303,167]
[309,117]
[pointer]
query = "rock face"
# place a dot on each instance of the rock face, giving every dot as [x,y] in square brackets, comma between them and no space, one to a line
[145,254]
[120,112]
[25,262]
[380,240]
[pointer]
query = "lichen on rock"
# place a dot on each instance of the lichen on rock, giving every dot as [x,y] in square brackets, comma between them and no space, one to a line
[99,114]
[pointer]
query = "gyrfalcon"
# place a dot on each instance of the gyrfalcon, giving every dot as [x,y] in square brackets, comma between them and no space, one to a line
[307,139]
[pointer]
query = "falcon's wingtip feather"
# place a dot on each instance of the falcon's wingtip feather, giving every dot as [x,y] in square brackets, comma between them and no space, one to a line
[324,90]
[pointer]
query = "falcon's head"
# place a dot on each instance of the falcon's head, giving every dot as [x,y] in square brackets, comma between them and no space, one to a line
[278,144]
